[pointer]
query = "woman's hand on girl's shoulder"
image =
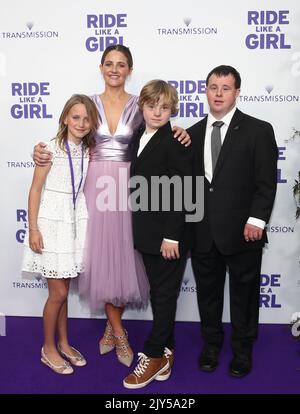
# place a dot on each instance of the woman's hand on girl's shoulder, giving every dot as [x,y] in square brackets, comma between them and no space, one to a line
[41,156]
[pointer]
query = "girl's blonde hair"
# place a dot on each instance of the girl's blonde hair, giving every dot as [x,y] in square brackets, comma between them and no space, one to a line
[62,134]
[152,91]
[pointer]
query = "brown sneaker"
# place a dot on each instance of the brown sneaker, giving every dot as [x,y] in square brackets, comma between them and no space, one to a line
[169,354]
[107,342]
[145,371]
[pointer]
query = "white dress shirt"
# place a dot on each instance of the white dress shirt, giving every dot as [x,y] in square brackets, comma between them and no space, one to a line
[207,153]
[145,138]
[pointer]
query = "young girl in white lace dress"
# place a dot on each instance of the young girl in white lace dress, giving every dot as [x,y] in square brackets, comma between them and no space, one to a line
[57,217]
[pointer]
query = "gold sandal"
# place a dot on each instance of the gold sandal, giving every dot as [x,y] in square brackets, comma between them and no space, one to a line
[123,349]
[107,342]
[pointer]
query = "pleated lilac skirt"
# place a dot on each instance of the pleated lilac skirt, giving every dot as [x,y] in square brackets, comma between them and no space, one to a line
[113,270]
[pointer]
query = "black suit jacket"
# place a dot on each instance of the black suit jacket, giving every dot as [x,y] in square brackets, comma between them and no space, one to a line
[243,184]
[162,156]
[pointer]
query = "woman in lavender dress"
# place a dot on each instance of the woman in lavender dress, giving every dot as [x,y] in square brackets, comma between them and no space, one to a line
[114,276]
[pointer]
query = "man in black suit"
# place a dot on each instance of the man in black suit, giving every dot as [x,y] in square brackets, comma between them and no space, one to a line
[159,231]
[237,154]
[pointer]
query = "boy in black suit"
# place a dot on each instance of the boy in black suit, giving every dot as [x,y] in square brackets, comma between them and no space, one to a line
[161,236]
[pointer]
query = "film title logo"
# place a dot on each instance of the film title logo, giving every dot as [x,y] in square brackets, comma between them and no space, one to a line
[106,31]
[21,219]
[30,97]
[268,284]
[191,96]
[268,26]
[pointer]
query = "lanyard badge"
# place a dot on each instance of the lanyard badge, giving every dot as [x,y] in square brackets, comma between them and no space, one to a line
[74,192]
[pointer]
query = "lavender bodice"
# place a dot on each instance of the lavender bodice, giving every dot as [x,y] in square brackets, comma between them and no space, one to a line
[116,147]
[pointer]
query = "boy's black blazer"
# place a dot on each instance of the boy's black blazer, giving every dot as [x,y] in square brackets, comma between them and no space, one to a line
[162,156]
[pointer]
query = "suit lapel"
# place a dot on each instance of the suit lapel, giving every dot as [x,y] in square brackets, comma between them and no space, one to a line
[153,142]
[135,144]
[201,143]
[230,138]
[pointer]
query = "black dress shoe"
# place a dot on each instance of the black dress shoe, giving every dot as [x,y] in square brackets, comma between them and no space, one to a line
[208,360]
[240,367]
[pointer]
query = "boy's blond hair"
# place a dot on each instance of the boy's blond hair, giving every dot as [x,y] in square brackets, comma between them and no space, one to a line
[152,91]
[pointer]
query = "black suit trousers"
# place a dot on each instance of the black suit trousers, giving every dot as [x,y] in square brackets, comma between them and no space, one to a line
[244,284]
[165,278]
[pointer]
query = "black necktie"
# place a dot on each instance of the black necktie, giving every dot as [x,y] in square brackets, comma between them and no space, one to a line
[216,142]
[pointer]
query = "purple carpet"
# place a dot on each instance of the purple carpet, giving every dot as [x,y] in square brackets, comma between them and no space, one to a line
[276,362]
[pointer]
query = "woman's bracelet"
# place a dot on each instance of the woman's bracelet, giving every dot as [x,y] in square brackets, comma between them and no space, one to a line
[31,229]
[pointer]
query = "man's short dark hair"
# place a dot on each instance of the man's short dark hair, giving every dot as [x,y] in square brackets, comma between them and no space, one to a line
[225,70]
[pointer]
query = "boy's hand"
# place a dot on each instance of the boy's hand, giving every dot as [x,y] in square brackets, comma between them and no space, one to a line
[169,250]
[182,136]
[41,156]
[36,241]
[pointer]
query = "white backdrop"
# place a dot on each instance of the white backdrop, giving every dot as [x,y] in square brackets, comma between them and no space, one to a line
[50,50]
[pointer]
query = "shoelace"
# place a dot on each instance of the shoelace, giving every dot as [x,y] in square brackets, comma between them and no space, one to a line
[142,365]
[167,352]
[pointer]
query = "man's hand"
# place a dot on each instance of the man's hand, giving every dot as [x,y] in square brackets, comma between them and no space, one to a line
[182,136]
[41,156]
[169,250]
[252,233]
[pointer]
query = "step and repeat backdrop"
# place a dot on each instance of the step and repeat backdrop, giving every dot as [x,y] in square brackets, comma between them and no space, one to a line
[50,50]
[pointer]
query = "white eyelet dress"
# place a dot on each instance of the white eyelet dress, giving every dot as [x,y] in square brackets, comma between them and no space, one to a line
[62,256]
